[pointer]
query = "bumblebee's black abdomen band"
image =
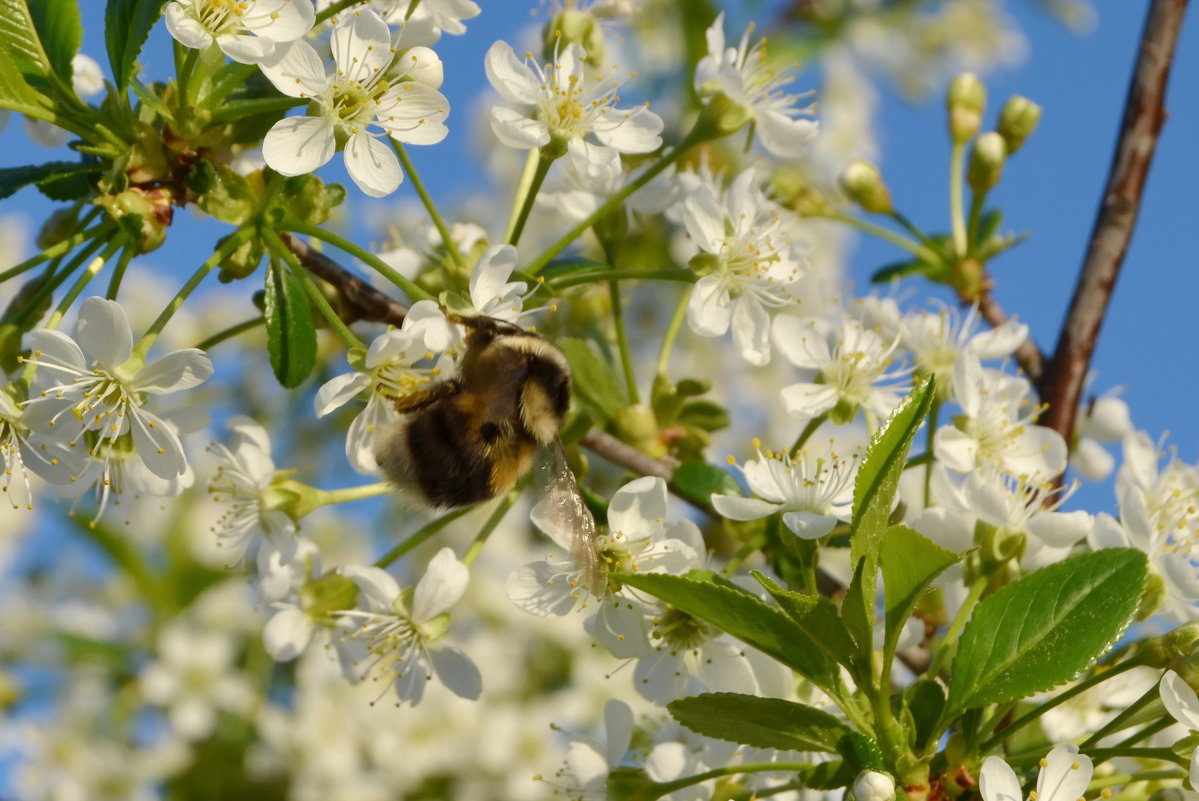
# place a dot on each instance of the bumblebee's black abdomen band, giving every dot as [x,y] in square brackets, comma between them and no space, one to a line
[452,474]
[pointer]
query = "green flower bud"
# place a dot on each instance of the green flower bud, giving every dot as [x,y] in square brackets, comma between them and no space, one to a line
[986,162]
[152,207]
[969,278]
[863,183]
[1017,121]
[57,227]
[572,26]
[637,424]
[241,262]
[1161,651]
[966,100]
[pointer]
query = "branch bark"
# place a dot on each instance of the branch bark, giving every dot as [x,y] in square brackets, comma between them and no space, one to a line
[360,300]
[1144,114]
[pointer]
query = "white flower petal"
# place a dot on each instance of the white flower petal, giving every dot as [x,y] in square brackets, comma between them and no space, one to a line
[782,136]
[661,677]
[735,508]
[245,48]
[287,633]
[157,445]
[372,165]
[296,70]
[414,113]
[955,449]
[516,130]
[361,47]
[375,583]
[103,332]
[638,507]
[184,29]
[440,588]
[298,145]
[1059,529]
[1180,700]
[751,330]
[1065,776]
[618,730]
[339,390]
[805,401]
[997,781]
[489,279]
[456,671]
[807,525]
[710,309]
[634,131]
[704,219]
[510,76]
[542,589]
[180,369]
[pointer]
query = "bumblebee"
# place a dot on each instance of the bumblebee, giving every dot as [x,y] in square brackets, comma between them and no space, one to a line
[469,438]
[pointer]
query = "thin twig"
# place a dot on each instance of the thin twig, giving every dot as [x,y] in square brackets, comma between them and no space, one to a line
[1028,355]
[360,300]
[628,457]
[1144,113]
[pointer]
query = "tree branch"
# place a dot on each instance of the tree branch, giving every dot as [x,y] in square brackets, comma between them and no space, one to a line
[359,300]
[1144,113]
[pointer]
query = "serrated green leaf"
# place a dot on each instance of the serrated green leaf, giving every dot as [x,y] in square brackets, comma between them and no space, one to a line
[874,493]
[595,385]
[818,618]
[760,722]
[910,562]
[857,613]
[860,752]
[696,481]
[71,184]
[1042,630]
[60,29]
[127,24]
[291,336]
[19,39]
[729,608]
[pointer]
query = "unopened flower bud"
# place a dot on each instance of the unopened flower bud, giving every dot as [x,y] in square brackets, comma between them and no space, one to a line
[986,162]
[423,66]
[874,786]
[637,423]
[966,101]
[1163,650]
[572,26]
[864,185]
[1017,121]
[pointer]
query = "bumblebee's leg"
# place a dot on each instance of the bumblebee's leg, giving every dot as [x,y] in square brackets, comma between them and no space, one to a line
[415,401]
[489,327]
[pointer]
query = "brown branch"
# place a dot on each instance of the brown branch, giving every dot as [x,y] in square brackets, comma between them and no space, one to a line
[1028,355]
[1144,113]
[359,300]
[626,456]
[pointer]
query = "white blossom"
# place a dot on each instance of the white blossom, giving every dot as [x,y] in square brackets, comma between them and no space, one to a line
[94,392]
[243,479]
[369,94]
[745,76]
[246,31]
[748,264]
[1064,776]
[397,641]
[558,103]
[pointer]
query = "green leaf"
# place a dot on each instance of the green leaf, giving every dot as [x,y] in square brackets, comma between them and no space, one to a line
[291,337]
[731,609]
[925,700]
[696,481]
[19,39]
[760,722]
[910,562]
[818,618]
[15,92]
[874,493]
[13,179]
[595,385]
[857,612]
[1042,630]
[71,184]
[901,269]
[708,415]
[127,24]
[60,29]
[561,267]
[989,225]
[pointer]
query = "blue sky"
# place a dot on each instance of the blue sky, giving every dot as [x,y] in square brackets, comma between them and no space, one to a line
[1150,341]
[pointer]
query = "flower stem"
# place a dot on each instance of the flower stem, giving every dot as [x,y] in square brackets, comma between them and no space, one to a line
[52,281]
[497,517]
[229,333]
[945,647]
[84,279]
[532,160]
[410,289]
[956,212]
[696,135]
[622,342]
[231,244]
[672,331]
[348,494]
[56,250]
[244,108]
[423,533]
[916,249]
[1121,779]
[333,9]
[235,75]
[542,169]
[427,200]
[665,788]
[933,412]
[806,434]
[595,276]
[281,251]
[118,274]
[977,199]
[1117,723]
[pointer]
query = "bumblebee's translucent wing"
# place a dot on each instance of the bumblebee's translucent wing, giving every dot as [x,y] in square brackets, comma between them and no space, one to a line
[563,516]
